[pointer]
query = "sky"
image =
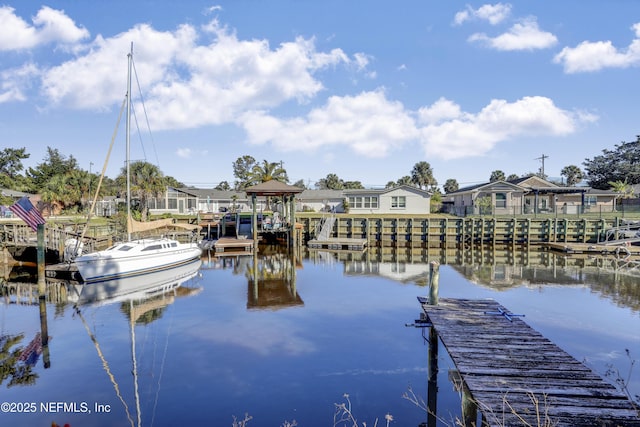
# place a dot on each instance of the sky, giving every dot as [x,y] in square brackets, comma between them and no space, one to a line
[363,90]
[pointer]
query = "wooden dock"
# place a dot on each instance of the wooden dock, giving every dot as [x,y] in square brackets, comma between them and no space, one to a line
[620,251]
[233,246]
[341,244]
[516,376]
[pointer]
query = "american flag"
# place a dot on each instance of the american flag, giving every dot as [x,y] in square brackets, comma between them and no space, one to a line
[25,210]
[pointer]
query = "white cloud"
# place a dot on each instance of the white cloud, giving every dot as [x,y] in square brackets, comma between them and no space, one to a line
[49,26]
[493,13]
[368,123]
[595,56]
[371,125]
[441,111]
[212,9]
[184,153]
[14,82]
[99,76]
[521,36]
[456,134]
[187,84]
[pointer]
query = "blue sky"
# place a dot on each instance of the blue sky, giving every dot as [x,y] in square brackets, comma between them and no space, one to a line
[361,89]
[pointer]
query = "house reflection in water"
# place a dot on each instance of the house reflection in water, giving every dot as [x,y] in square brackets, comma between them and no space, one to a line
[272,281]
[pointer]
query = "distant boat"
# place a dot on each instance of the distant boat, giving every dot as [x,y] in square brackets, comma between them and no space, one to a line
[134,257]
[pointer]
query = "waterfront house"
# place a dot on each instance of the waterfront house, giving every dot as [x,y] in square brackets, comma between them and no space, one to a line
[403,199]
[528,195]
[193,200]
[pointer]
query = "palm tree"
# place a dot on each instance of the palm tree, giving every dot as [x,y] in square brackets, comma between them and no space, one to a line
[422,175]
[66,190]
[622,188]
[497,175]
[405,180]
[147,181]
[267,171]
[330,182]
[451,185]
[573,174]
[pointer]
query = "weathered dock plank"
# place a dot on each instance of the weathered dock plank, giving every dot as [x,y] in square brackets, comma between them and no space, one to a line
[518,377]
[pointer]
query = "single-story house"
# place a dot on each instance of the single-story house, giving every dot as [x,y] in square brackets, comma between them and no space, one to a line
[528,195]
[402,199]
[194,200]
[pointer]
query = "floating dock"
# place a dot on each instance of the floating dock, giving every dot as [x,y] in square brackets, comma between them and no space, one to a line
[233,246]
[620,251]
[340,244]
[516,376]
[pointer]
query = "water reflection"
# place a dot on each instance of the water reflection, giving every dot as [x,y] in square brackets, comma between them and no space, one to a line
[272,281]
[301,328]
[142,300]
[499,268]
[17,361]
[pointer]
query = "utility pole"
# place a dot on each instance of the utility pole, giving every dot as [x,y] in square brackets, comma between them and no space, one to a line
[541,158]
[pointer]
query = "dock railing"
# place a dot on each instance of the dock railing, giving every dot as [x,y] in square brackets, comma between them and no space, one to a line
[21,235]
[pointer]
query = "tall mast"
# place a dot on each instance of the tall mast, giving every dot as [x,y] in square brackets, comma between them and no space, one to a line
[128,132]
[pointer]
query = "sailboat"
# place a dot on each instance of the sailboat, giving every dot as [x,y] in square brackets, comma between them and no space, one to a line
[134,257]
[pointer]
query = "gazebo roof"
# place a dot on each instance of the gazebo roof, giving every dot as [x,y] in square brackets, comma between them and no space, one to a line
[273,188]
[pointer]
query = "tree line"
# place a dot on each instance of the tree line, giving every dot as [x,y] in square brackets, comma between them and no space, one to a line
[60,181]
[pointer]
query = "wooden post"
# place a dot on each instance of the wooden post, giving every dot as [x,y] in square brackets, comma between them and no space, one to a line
[434,278]
[40,258]
[254,222]
[432,380]
[292,220]
[44,331]
[469,407]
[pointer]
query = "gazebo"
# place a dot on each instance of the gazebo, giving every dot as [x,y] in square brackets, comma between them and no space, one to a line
[274,188]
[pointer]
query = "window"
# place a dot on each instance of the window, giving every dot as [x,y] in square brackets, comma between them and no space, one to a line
[590,200]
[370,202]
[367,202]
[501,200]
[398,202]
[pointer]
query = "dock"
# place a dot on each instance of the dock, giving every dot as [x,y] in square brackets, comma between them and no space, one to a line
[332,243]
[515,376]
[233,246]
[619,251]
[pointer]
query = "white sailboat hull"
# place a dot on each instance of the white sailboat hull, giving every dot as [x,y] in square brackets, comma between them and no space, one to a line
[138,287]
[135,258]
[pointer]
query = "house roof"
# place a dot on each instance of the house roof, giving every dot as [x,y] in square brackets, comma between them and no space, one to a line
[273,188]
[527,184]
[486,185]
[387,190]
[14,193]
[320,195]
[213,194]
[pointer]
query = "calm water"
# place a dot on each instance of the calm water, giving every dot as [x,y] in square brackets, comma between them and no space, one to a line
[283,343]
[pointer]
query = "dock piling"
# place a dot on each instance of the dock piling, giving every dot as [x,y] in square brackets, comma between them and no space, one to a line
[434,279]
